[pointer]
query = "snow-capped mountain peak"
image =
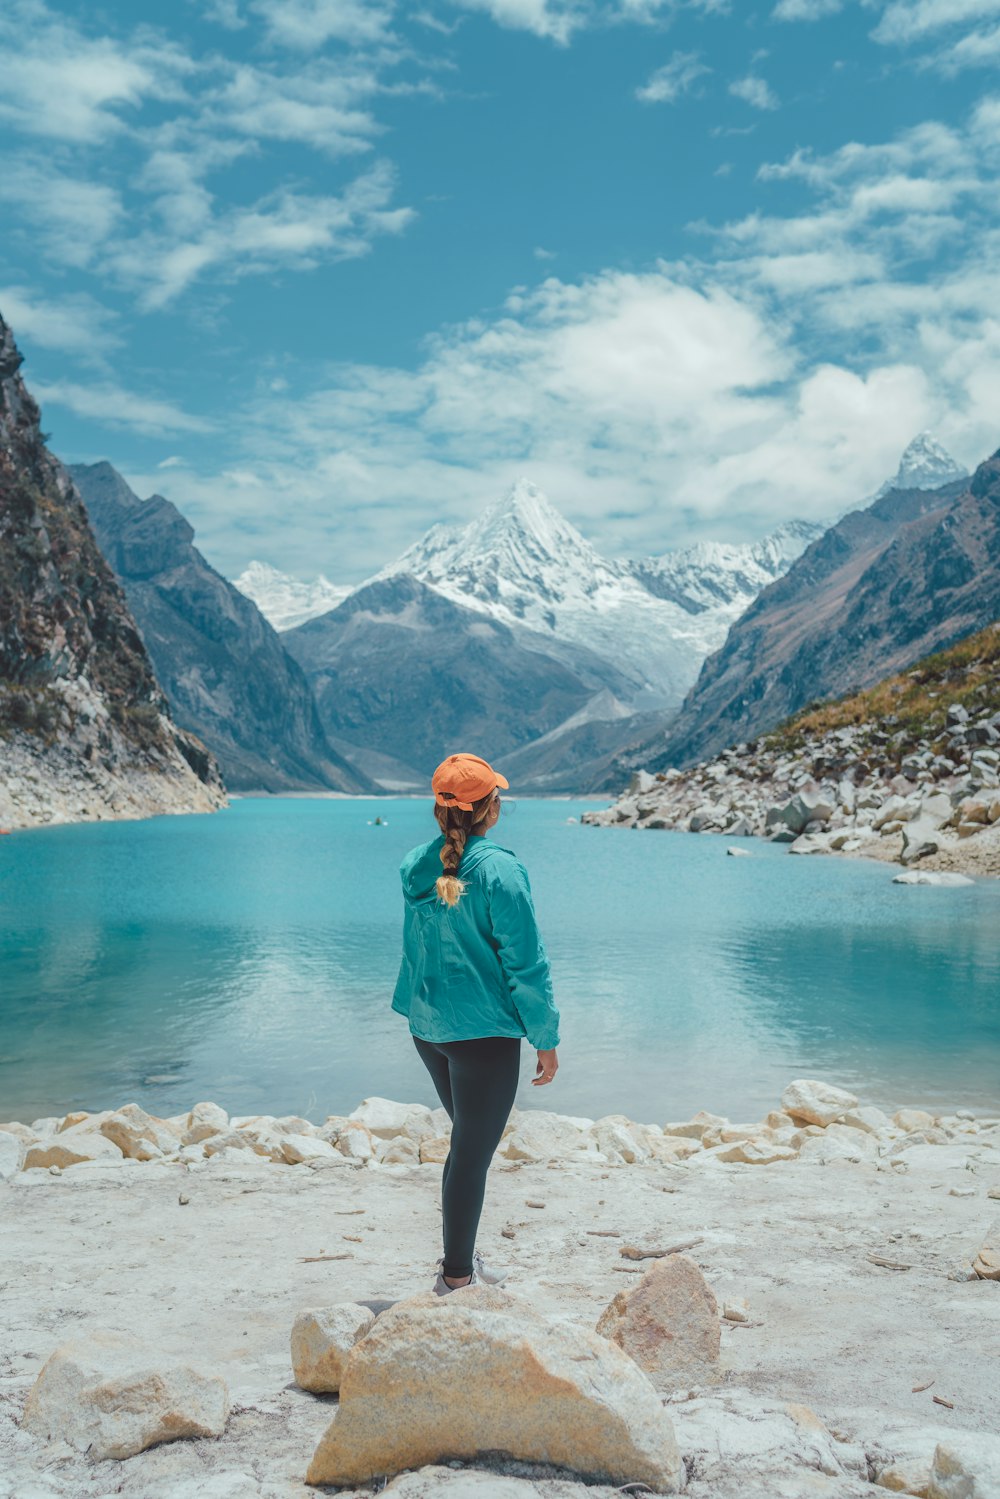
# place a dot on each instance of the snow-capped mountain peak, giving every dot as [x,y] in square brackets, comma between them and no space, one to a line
[925,464]
[285,600]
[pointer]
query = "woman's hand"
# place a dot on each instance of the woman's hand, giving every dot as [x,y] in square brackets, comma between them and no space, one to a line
[548,1066]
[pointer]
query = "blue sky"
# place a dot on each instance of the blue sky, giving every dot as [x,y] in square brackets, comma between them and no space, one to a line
[327,271]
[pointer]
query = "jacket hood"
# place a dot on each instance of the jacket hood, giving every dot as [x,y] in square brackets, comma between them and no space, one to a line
[421,868]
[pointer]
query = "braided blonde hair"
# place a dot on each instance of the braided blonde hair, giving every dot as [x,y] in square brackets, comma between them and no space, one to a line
[457,825]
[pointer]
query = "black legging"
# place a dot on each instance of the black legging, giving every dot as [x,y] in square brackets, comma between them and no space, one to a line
[476,1082]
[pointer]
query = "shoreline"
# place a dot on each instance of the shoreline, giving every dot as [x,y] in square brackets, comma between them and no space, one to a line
[842,1266]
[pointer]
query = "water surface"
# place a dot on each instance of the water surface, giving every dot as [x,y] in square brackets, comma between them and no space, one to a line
[249,957]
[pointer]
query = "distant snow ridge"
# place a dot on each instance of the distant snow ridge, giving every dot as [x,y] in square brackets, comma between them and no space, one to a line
[284,600]
[925,464]
[523,563]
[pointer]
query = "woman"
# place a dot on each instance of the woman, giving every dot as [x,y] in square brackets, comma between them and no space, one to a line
[473,980]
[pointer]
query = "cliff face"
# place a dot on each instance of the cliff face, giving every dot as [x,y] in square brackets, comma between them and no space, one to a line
[223,667]
[909,575]
[85,732]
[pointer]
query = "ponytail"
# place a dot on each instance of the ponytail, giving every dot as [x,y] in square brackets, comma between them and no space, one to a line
[457,825]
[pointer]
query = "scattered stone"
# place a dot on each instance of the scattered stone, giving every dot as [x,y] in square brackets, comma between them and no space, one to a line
[355,1142]
[474,1372]
[668,1323]
[736,1311]
[911,1119]
[298,1150]
[737,853]
[321,1341]
[109,1396]
[756,1152]
[399,1151]
[931,877]
[815,1101]
[907,1476]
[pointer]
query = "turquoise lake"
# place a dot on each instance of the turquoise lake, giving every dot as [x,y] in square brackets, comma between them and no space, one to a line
[249,957]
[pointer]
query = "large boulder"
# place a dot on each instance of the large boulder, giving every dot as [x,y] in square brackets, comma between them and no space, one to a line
[668,1322]
[815,1101]
[138,1135]
[744,1446]
[110,1396]
[966,1466]
[473,1372]
[204,1121]
[384,1118]
[70,1147]
[321,1341]
[803,808]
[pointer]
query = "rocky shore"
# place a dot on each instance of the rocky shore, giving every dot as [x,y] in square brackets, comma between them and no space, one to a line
[935,801]
[807,1304]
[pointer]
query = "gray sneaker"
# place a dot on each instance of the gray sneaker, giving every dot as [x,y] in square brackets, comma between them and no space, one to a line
[442,1288]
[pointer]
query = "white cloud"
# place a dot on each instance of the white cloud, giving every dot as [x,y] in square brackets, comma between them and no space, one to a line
[307,25]
[779,375]
[111,406]
[73,217]
[59,83]
[755,91]
[909,20]
[288,230]
[806,10]
[74,324]
[675,78]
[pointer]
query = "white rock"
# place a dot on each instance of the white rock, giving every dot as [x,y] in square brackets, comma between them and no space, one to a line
[737,853]
[204,1121]
[668,1322]
[619,1139]
[71,1148]
[400,1151]
[322,1339]
[111,1397]
[743,1445]
[866,1118]
[815,1101]
[139,1135]
[966,1466]
[355,1142]
[931,877]
[839,1142]
[472,1372]
[297,1149]
[12,1153]
[384,1118]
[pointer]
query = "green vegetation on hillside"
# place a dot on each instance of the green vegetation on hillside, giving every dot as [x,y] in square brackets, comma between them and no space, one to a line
[911,705]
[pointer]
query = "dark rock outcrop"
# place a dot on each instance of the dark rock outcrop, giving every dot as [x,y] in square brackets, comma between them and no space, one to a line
[911,574]
[223,667]
[85,731]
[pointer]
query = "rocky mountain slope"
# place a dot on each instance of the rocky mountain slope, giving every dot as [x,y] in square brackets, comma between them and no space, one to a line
[913,572]
[404,670]
[286,601]
[224,669]
[907,770]
[85,731]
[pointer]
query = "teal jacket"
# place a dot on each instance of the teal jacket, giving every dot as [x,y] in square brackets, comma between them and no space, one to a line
[478,968]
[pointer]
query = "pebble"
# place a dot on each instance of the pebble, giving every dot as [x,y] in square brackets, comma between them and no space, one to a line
[962,1192]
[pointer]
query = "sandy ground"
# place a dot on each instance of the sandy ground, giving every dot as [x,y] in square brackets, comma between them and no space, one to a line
[221,1279]
[977,857]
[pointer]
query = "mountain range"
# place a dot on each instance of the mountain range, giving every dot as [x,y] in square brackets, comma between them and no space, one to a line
[225,671]
[547,651]
[911,574]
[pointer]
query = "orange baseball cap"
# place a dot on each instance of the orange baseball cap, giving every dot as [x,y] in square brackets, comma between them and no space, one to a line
[463,779]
